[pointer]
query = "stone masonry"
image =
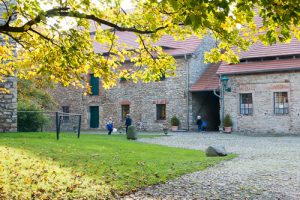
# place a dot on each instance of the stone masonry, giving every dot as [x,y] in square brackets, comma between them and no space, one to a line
[142,98]
[8,101]
[262,87]
[8,106]
[197,67]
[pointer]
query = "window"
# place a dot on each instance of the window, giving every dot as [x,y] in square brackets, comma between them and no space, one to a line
[94,84]
[66,109]
[160,111]
[163,77]
[246,106]
[123,80]
[125,111]
[281,104]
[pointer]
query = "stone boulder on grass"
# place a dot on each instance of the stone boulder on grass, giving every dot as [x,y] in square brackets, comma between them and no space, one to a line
[216,151]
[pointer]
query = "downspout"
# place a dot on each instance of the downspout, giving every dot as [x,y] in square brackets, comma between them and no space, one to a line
[188,80]
[223,105]
[221,98]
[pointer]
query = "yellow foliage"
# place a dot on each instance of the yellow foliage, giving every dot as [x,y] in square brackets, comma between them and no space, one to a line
[61,53]
[24,176]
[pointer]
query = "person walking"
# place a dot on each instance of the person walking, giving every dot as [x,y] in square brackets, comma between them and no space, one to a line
[199,123]
[110,125]
[128,122]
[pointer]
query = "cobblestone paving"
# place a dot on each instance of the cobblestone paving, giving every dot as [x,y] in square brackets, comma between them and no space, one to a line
[267,168]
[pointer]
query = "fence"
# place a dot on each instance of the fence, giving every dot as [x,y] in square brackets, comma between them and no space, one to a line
[52,121]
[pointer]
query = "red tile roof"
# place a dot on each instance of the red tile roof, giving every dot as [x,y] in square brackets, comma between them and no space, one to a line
[174,48]
[258,67]
[208,81]
[258,50]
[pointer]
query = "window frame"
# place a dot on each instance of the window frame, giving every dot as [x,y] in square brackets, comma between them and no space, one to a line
[163,77]
[91,76]
[66,109]
[124,113]
[247,110]
[163,109]
[285,105]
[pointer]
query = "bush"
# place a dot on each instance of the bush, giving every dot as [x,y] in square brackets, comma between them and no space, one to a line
[30,121]
[227,121]
[175,121]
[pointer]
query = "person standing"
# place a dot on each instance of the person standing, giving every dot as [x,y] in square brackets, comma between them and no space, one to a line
[199,123]
[110,125]
[128,122]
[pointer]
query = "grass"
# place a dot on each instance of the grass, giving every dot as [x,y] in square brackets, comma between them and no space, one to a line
[117,165]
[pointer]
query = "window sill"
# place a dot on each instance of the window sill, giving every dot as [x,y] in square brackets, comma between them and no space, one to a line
[160,121]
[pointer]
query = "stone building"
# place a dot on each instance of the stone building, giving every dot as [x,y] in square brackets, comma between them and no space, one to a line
[8,101]
[154,103]
[265,89]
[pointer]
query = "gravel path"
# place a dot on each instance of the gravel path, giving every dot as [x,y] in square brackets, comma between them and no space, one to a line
[267,168]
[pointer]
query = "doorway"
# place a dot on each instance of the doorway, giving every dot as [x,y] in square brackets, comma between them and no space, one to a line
[207,105]
[94,116]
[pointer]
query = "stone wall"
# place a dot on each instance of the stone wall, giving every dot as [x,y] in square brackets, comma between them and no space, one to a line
[8,106]
[197,67]
[262,87]
[77,102]
[142,97]
[8,102]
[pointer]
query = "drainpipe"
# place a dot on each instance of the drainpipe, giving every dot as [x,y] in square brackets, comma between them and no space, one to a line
[188,80]
[222,110]
[221,97]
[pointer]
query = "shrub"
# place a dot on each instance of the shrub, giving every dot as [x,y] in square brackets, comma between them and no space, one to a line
[227,121]
[175,121]
[30,121]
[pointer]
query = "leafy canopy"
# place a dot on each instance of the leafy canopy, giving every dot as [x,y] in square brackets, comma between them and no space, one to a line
[63,54]
[35,92]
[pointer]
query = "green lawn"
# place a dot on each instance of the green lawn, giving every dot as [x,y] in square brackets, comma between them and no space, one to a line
[95,166]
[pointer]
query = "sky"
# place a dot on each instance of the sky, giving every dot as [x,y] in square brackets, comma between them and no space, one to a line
[67,23]
[126,4]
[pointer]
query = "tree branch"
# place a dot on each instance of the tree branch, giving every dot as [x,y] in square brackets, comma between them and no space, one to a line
[147,50]
[66,12]
[4,3]
[43,36]
[6,8]
[111,46]
[16,40]
[142,41]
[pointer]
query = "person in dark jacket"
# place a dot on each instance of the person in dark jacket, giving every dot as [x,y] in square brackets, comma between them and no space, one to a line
[199,123]
[128,122]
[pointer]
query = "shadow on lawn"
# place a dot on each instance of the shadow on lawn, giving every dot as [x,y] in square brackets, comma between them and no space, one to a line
[122,164]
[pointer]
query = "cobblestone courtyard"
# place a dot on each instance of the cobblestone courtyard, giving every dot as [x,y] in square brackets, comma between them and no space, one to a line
[267,168]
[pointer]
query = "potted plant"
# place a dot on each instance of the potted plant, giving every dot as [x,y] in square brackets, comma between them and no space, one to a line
[174,123]
[165,128]
[227,124]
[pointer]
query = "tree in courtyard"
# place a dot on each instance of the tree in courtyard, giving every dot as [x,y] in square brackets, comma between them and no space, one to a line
[33,99]
[64,54]
[35,92]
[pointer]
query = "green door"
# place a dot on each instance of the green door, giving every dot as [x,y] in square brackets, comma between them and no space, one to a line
[94,117]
